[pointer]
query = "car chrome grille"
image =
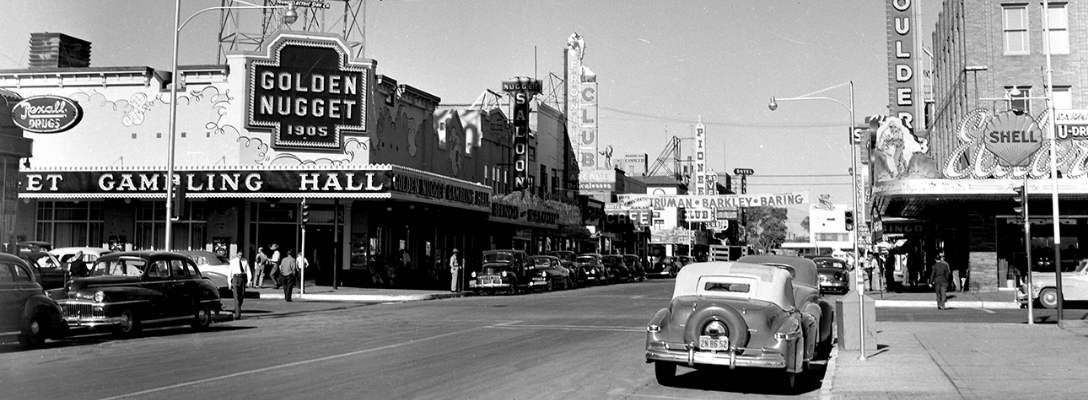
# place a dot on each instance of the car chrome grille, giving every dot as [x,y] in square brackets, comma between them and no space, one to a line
[82,310]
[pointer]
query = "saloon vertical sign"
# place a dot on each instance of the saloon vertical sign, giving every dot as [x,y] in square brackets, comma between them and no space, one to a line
[522,90]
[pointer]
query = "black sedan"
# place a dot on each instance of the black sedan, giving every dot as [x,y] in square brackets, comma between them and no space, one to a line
[833,274]
[129,290]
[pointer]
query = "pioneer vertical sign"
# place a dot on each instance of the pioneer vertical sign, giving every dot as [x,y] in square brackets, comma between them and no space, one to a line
[307,93]
[522,90]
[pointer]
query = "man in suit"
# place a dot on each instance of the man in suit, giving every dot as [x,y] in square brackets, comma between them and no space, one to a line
[78,267]
[938,278]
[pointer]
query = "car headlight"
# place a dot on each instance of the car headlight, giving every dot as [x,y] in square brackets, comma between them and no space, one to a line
[544,273]
[502,274]
[593,271]
[99,296]
[473,274]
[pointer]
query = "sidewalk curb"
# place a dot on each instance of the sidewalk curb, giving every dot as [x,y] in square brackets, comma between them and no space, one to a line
[828,387]
[366,298]
[995,305]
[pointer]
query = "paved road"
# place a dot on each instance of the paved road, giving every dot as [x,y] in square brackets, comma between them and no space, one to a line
[585,343]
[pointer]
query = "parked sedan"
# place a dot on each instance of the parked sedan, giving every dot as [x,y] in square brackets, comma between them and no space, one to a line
[1045,290]
[566,257]
[548,273]
[24,307]
[833,274]
[634,264]
[591,265]
[729,314]
[49,271]
[502,271]
[131,289]
[213,267]
[617,270]
[664,267]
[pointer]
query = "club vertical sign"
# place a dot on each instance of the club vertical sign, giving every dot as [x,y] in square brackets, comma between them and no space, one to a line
[902,59]
[522,90]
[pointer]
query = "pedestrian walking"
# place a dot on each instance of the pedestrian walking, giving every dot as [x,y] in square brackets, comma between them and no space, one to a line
[259,265]
[938,277]
[455,271]
[236,280]
[275,261]
[288,271]
[78,267]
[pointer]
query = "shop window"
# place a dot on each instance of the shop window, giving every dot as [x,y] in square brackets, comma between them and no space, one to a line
[70,223]
[189,232]
[1015,29]
[1058,18]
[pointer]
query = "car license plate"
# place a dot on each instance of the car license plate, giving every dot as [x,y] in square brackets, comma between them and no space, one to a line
[709,343]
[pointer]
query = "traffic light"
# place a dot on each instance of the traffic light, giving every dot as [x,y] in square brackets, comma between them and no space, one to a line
[178,207]
[849,220]
[1021,198]
[305,213]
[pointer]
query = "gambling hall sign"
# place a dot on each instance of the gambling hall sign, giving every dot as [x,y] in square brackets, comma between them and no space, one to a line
[307,93]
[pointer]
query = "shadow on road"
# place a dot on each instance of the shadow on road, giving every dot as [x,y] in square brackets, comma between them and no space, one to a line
[750,380]
[84,338]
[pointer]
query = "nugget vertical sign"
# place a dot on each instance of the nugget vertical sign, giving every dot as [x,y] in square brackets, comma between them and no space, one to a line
[522,90]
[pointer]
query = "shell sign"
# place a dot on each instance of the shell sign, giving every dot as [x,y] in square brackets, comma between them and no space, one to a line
[46,114]
[1013,137]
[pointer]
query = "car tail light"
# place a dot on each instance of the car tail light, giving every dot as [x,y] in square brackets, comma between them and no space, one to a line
[715,329]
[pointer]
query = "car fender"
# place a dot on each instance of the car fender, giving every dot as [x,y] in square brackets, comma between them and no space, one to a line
[40,304]
[827,319]
[709,311]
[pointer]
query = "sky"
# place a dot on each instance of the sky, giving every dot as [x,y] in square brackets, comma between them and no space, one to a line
[661,66]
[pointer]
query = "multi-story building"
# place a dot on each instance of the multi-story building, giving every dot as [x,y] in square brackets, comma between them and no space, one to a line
[382,168]
[953,178]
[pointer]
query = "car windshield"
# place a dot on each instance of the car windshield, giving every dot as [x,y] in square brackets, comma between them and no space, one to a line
[43,260]
[563,256]
[119,267]
[540,262]
[828,263]
[585,259]
[208,259]
[612,259]
[498,257]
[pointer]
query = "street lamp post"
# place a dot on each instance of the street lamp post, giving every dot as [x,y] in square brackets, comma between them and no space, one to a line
[854,178]
[289,17]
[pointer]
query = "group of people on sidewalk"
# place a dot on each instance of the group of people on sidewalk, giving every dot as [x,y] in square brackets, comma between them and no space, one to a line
[283,270]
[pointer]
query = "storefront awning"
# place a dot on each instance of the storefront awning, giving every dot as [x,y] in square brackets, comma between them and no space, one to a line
[918,198]
[382,181]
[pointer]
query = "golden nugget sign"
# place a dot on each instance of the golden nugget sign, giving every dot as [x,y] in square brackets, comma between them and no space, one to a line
[307,93]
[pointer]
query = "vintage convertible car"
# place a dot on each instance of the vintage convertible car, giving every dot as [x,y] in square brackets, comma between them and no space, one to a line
[502,271]
[591,265]
[24,307]
[548,273]
[131,289]
[1044,289]
[833,274]
[819,313]
[730,314]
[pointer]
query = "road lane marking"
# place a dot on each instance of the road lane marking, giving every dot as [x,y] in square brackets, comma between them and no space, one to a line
[571,327]
[293,364]
[985,310]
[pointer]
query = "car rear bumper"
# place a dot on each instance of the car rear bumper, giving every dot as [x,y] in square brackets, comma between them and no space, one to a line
[743,357]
